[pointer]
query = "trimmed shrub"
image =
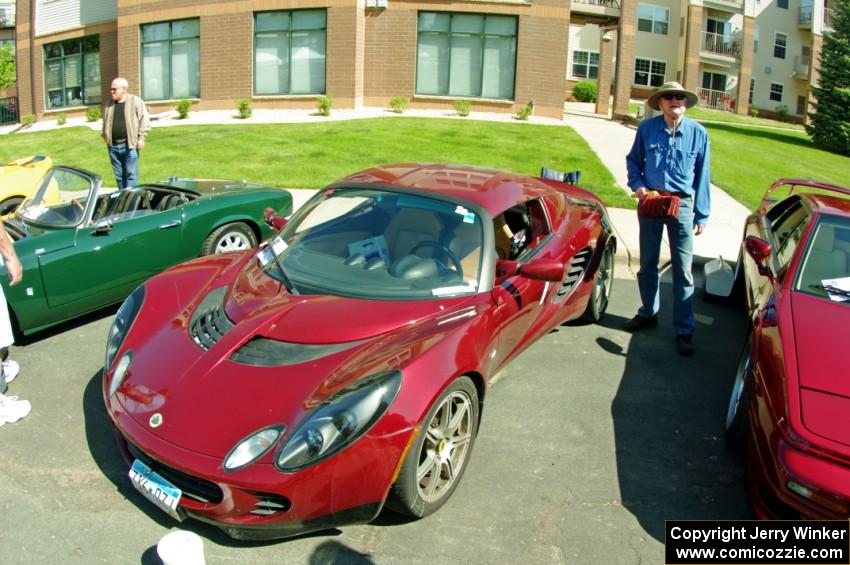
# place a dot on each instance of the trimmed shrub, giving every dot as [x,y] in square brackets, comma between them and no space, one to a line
[754,111]
[462,107]
[324,104]
[28,120]
[183,107]
[399,105]
[61,119]
[782,112]
[93,114]
[585,91]
[523,113]
[243,107]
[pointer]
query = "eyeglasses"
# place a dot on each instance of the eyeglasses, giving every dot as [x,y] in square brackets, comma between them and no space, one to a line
[672,95]
[113,89]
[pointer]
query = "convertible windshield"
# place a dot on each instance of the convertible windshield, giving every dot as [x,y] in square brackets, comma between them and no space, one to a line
[380,245]
[48,207]
[825,269]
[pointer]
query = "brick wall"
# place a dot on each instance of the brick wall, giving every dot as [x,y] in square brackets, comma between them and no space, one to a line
[693,43]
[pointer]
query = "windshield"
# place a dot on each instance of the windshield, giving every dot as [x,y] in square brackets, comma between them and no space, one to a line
[824,269]
[60,201]
[380,245]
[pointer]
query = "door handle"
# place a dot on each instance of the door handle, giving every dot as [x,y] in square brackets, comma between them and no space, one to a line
[173,224]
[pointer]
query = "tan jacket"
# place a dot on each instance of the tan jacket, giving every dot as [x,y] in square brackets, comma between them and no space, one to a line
[135,117]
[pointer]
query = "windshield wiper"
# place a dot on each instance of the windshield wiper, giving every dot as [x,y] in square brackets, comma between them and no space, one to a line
[831,289]
[287,282]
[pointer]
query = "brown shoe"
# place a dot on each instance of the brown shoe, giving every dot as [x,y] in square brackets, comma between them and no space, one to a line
[685,345]
[640,322]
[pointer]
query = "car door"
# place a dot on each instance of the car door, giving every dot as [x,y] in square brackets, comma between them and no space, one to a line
[519,299]
[114,255]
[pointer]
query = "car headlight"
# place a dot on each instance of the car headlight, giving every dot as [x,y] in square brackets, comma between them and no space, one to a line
[339,421]
[123,320]
[252,447]
[120,372]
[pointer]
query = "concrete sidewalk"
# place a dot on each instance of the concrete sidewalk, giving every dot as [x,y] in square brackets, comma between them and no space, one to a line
[611,141]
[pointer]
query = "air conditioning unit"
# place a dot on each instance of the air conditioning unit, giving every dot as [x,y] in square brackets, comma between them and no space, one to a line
[377,4]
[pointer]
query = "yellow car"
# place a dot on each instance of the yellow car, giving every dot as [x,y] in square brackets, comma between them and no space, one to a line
[20,179]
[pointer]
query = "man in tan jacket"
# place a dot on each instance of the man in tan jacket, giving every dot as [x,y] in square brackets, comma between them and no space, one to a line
[125,125]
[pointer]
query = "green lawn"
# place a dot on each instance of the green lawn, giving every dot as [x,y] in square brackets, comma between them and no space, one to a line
[312,155]
[745,161]
[706,115]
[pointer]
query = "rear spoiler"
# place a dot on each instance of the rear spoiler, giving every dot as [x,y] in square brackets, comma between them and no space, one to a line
[767,199]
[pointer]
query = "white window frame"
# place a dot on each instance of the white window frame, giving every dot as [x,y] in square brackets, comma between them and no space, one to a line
[588,65]
[655,8]
[781,91]
[649,77]
[776,35]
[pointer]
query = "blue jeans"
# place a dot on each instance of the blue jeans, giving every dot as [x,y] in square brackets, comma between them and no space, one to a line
[680,234]
[125,165]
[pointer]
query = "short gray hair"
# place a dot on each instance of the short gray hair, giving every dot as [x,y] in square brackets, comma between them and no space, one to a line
[120,82]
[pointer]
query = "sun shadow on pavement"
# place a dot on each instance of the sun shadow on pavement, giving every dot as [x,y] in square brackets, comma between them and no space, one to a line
[667,416]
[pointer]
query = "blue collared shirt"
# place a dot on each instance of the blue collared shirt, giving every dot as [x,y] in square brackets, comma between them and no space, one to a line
[659,160]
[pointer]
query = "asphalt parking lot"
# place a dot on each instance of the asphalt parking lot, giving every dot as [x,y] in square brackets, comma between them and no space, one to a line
[589,441]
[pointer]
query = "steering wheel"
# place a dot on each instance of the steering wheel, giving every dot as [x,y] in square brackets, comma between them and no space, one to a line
[446,251]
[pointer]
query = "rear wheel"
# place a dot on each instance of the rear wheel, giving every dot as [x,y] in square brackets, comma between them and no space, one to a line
[737,413]
[438,457]
[603,281]
[10,205]
[230,237]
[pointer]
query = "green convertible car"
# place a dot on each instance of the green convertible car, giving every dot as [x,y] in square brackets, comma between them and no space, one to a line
[93,249]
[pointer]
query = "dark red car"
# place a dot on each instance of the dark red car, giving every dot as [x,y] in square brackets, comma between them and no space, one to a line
[790,401]
[345,364]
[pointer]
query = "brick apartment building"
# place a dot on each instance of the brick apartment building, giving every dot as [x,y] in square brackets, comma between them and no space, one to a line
[500,54]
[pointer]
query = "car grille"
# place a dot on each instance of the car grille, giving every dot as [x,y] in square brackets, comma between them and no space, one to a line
[269,504]
[575,271]
[193,487]
[210,322]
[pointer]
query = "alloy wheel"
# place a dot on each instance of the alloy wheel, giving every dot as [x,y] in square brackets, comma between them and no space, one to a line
[446,447]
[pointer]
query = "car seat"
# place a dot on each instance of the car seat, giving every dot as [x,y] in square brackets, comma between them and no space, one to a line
[466,246]
[408,228]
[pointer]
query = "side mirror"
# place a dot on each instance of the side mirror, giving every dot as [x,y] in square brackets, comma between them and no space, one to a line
[543,270]
[102,226]
[759,250]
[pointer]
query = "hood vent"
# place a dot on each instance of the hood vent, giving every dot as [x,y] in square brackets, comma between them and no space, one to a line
[264,352]
[209,323]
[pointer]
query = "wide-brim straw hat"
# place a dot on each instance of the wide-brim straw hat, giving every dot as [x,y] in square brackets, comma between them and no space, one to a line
[691,99]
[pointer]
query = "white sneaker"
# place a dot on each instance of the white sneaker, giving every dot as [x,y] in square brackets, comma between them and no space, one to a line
[12,409]
[10,370]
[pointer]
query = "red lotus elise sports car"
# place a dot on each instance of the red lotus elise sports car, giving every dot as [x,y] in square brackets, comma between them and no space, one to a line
[790,401]
[302,385]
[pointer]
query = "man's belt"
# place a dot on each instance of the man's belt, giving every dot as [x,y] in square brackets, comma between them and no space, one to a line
[118,141]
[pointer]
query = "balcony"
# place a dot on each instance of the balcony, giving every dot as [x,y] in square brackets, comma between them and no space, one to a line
[717,99]
[605,8]
[720,46]
[801,67]
[731,6]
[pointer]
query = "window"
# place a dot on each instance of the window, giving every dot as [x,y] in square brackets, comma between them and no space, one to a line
[801,105]
[649,72]
[776,91]
[780,42]
[72,72]
[8,43]
[752,90]
[289,52]
[653,19]
[756,39]
[787,223]
[585,64]
[714,81]
[782,4]
[171,60]
[466,55]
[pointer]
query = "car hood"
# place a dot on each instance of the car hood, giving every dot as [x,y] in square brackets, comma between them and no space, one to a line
[209,400]
[821,332]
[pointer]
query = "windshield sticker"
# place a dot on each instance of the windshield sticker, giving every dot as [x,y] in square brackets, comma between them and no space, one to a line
[446,290]
[278,245]
[264,256]
[468,217]
[837,289]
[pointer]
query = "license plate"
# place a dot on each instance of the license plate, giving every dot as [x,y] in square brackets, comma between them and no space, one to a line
[156,489]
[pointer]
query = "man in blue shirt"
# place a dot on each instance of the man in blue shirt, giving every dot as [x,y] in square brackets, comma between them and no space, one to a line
[670,155]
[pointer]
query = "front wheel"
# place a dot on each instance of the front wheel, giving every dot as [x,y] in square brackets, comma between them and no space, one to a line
[230,237]
[438,457]
[603,281]
[737,413]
